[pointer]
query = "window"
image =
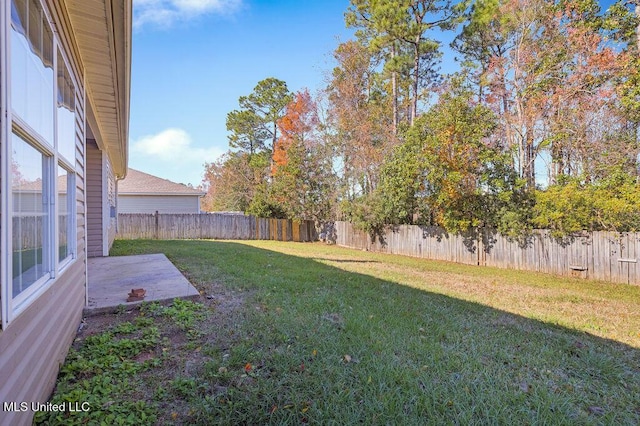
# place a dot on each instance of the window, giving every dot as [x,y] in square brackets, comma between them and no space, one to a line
[32,67]
[66,148]
[66,204]
[66,117]
[31,258]
[39,147]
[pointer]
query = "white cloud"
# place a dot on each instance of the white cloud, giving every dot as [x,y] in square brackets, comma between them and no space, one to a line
[172,155]
[164,13]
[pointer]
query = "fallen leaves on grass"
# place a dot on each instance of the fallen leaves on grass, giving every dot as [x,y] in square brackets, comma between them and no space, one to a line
[335,319]
[349,359]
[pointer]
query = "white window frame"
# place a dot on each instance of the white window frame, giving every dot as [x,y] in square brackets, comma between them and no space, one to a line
[10,306]
[69,164]
[5,164]
[19,302]
[72,240]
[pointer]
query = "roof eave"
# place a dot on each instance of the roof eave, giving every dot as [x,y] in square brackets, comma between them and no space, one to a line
[102,30]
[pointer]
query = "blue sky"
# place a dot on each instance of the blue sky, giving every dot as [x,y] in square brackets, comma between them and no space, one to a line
[192,59]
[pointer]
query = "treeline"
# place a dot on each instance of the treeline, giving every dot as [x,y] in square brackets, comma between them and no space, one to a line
[539,128]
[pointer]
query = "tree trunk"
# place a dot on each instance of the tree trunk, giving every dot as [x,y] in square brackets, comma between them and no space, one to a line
[394,88]
[638,26]
[416,77]
[480,85]
[505,112]
[637,125]
[273,148]
[557,167]
[529,169]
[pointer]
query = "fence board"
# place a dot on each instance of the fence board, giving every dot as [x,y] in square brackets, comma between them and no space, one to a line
[605,256]
[212,226]
[614,254]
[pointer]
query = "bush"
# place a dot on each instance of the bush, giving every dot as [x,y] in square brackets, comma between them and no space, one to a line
[612,204]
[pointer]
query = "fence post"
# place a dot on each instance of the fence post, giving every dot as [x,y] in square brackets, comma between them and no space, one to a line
[478,243]
[157,225]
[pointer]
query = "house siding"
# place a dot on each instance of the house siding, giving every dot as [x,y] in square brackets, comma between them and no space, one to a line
[80,162]
[35,343]
[159,203]
[110,215]
[94,200]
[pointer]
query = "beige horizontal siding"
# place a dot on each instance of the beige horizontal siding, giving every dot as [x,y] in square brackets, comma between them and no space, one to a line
[111,201]
[35,343]
[159,203]
[94,199]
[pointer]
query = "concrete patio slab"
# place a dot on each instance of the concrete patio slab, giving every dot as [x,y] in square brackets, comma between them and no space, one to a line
[112,278]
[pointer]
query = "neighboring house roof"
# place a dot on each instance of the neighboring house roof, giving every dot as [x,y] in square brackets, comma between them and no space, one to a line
[140,183]
[36,185]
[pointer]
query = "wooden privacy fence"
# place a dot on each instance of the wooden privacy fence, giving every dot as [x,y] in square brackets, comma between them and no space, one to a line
[28,231]
[212,226]
[609,256]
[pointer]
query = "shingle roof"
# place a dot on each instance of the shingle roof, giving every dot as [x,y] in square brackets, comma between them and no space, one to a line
[36,185]
[138,182]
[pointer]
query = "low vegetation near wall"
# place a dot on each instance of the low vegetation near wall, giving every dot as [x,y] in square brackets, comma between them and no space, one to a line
[609,256]
[212,226]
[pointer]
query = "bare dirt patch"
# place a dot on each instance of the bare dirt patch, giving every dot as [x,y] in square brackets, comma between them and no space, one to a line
[182,354]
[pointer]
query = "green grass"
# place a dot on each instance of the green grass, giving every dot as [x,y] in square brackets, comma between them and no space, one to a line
[104,370]
[23,260]
[334,336]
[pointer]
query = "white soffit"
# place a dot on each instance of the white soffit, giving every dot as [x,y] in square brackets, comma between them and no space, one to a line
[102,30]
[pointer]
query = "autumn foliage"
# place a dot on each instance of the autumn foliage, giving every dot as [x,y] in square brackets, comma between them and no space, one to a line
[296,127]
[540,127]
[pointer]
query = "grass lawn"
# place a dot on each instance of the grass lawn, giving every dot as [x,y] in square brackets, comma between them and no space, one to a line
[294,333]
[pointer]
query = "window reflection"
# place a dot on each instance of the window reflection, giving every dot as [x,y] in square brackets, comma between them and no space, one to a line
[30,215]
[66,118]
[32,66]
[65,211]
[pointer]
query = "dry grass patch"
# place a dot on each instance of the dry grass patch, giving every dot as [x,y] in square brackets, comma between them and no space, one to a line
[604,309]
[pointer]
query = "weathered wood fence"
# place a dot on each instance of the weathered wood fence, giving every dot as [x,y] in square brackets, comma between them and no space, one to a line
[608,256]
[28,231]
[212,226]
